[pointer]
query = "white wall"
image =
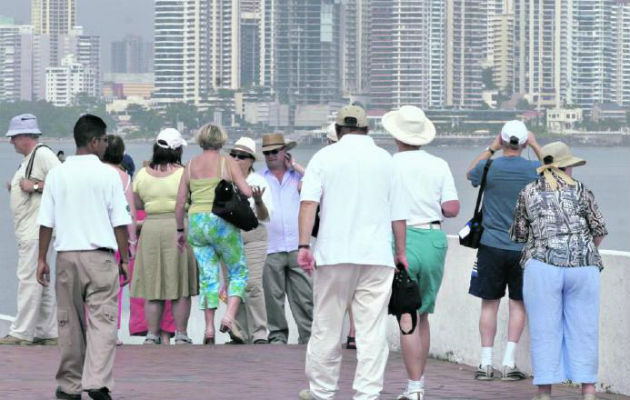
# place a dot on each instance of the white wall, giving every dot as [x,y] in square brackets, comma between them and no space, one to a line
[454,325]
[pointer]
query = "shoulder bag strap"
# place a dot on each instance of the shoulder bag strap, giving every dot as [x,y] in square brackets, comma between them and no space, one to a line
[482,187]
[31,161]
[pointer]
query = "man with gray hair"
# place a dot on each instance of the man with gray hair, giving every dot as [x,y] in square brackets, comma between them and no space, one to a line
[35,321]
[498,258]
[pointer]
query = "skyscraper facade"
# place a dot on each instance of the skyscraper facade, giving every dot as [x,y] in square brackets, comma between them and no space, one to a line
[132,55]
[306,53]
[16,58]
[53,18]
[619,84]
[407,53]
[353,51]
[196,48]
[466,37]
[250,43]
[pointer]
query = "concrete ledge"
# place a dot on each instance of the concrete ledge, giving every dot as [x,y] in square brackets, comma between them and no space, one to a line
[455,322]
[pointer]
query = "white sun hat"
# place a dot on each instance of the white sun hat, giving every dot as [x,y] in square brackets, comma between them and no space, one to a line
[23,124]
[409,125]
[246,145]
[514,131]
[170,138]
[331,133]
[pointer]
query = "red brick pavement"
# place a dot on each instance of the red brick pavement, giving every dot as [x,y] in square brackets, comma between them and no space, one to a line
[240,372]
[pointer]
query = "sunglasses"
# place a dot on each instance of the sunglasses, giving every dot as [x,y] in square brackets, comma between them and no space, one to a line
[241,156]
[274,152]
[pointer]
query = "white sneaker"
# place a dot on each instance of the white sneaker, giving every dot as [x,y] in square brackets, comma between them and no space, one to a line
[415,395]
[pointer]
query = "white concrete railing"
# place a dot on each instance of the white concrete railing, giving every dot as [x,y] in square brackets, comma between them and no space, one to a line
[455,332]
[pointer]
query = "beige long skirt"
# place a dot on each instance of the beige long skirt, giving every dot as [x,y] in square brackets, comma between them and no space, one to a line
[161,271]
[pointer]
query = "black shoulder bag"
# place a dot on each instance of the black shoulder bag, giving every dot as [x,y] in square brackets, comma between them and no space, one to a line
[405,298]
[470,235]
[231,205]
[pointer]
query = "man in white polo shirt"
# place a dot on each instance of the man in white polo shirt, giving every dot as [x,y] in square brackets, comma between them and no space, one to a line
[361,203]
[432,196]
[82,200]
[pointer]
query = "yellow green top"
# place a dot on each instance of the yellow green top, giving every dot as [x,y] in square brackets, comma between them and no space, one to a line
[158,194]
[202,194]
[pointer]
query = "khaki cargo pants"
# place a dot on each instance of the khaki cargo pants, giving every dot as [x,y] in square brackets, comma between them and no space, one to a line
[87,312]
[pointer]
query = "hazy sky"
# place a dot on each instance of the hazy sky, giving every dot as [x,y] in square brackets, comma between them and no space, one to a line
[110,19]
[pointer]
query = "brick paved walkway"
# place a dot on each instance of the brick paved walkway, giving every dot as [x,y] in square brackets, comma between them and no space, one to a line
[240,372]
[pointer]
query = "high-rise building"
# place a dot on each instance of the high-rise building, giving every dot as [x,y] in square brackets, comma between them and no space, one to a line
[132,55]
[407,53]
[306,53]
[196,48]
[250,46]
[501,50]
[542,52]
[53,18]
[353,52]
[267,39]
[16,61]
[571,52]
[619,51]
[466,37]
[70,79]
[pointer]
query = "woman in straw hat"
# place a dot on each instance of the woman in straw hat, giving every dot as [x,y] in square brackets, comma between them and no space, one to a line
[161,272]
[253,316]
[558,219]
[213,239]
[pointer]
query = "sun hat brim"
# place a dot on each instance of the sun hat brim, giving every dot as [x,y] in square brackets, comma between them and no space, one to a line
[15,132]
[389,122]
[572,162]
[244,150]
[288,145]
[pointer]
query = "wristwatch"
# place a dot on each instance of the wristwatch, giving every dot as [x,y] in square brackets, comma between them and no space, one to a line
[36,187]
[489,150]
[304,246]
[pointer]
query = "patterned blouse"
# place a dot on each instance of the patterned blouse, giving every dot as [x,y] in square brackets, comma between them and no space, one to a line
[558,226]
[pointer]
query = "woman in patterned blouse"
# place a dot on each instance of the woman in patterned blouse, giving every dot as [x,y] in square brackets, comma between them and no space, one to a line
[558,219]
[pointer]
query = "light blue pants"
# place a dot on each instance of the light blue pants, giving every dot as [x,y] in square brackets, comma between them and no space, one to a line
[563,314]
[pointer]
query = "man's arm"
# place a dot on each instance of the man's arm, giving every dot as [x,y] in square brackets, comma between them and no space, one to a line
[306,219]
[450,209]
[485,155]
[123,248]
[43,270]
[533,143]
[400,237]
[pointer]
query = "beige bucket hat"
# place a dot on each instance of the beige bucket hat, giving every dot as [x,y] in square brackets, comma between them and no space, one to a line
[409,125]
[559,154]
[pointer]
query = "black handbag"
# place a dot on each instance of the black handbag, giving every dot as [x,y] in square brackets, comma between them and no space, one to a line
[470,235]
[405,298]
[232,205]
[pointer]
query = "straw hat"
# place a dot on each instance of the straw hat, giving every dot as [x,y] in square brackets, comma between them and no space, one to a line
[559,154]
[275,141]
[246,145]
[409,125]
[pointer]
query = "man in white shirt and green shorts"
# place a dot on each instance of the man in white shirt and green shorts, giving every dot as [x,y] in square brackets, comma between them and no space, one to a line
[431,196]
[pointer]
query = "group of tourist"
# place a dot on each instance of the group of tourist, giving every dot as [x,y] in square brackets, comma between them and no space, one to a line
[330,239]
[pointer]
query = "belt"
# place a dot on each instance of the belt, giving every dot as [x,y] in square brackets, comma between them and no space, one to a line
[105,250]
[428,225]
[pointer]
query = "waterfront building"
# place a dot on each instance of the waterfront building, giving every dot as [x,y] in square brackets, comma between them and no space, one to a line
[353,51]
[65,82]
[16,61]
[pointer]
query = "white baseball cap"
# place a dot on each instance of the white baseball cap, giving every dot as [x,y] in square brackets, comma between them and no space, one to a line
[514,131]
[23,124]
[170,138]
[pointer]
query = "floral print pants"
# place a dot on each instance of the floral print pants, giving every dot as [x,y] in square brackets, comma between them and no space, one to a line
[215,241]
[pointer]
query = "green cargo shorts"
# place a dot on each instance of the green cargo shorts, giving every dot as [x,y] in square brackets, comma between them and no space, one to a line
[426,254]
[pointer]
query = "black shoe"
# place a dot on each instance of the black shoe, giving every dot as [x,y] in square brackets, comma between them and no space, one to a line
[60,394]
[99,394]
[261,341]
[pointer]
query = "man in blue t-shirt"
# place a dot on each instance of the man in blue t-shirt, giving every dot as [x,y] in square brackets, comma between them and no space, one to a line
[498,258]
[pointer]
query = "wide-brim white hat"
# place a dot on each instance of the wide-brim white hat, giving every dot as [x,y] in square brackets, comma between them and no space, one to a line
[409,125]
[246,145]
